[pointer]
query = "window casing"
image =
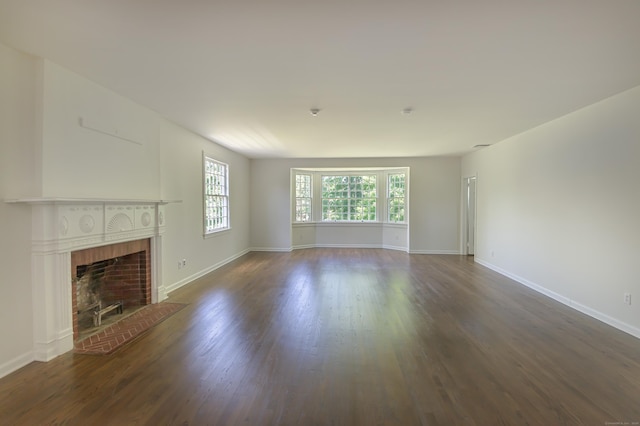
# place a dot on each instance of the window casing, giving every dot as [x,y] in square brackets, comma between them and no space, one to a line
[396,197]
[350,196]
[216,196]
[304,192]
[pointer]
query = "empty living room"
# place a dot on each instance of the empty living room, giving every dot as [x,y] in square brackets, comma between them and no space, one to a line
[300,213]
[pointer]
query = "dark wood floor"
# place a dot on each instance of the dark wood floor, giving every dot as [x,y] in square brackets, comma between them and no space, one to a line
[346,337]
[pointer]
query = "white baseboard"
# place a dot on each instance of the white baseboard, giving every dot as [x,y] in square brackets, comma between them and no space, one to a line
[46,351]
[396,248]
[302,246]
[171,287]
[613,322]
[361,246]
[274,249]
[434,252]
[593,313]
[16,363]
[349,246]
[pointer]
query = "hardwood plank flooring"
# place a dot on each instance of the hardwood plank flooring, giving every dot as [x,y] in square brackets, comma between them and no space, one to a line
[346,337]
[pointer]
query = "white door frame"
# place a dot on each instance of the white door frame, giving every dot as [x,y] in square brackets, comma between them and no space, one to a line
[468,224]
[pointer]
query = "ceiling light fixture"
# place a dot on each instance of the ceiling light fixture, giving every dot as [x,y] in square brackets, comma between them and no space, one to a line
[314,111]
[407,111]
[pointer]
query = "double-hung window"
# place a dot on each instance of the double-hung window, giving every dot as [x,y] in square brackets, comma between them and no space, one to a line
[303,198]
[396,197]
[379,195]
[349,198]
[216,196]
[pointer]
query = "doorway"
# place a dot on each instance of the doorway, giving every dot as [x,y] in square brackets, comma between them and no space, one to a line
[469,215]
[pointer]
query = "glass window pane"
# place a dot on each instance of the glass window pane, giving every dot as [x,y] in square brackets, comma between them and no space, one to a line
[216,193]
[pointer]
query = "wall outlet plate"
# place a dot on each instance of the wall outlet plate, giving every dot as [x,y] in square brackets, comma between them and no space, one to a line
[627,298]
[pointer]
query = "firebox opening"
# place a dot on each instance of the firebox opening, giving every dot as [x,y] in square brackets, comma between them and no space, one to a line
[107,290]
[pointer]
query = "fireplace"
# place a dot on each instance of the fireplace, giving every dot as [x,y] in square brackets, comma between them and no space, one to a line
[109,281]
[69,235]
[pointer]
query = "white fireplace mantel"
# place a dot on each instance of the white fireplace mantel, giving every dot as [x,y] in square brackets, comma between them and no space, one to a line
[63,225]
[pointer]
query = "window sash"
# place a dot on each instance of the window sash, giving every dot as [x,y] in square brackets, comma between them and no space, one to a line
[396,197]
[304,193]
[216,195]
[349,198]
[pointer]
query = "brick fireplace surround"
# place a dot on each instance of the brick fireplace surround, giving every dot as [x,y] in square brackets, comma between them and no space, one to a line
[61,227]
[126,280]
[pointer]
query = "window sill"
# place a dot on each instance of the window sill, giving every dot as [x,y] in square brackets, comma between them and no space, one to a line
[385,224]
[216,233]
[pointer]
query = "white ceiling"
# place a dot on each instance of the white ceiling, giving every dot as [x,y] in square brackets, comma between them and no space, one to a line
[245,73]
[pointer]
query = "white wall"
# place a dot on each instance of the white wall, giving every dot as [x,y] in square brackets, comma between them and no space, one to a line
[433,210]
[363,235]
[181,155]
[45,152]
[80,162]
[18,95]
[159,160]
[155,159]
[558,207]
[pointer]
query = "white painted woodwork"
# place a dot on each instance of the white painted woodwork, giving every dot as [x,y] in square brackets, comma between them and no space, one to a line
[61,226]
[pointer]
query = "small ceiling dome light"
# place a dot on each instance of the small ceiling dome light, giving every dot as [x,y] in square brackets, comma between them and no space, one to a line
[314,111]
[407,111]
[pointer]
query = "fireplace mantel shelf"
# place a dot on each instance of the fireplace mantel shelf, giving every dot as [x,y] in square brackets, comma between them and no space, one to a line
[60,200]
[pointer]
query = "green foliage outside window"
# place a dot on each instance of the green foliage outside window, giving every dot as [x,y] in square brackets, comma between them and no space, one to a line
[396,197]
[349,198]
[303,198]
[216,195]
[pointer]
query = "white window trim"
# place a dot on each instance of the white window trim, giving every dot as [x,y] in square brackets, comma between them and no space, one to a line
[216,231]
[382,214]
[388,198]
[295,197]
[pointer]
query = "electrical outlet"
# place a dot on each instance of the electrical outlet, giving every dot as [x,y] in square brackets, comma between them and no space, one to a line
[627,299]
[184,262]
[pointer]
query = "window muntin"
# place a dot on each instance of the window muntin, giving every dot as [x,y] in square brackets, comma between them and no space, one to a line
[349,198]
[216,195]
[396,197]
[304,192]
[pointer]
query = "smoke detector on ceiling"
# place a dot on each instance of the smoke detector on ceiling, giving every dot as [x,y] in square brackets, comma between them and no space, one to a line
[314,111]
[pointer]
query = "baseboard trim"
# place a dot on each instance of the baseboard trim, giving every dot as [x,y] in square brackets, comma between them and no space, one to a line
[16,363]
[613,322]
[434,252]
[349,246]
[303,246]
[593,313]
[273,249]
[396,248]
[360,246]
[172,287]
